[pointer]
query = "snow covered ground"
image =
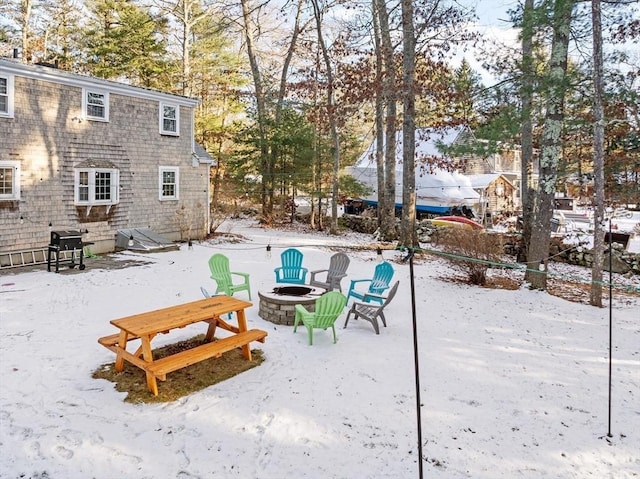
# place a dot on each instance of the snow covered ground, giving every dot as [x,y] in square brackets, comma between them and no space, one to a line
[513,383]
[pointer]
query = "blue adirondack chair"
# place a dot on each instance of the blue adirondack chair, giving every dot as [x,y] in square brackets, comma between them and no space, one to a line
[377,285]
[291,270]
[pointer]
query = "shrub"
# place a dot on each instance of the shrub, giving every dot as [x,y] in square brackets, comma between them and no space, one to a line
[472,250]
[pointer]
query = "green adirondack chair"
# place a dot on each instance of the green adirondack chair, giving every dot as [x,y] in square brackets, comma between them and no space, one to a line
[220,273]
[328,307]
[377,285]
[291,270]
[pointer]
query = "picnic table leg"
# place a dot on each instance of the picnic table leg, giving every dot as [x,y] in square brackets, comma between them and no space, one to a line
[122,345]
[152,383]
[211,330]
[242,326]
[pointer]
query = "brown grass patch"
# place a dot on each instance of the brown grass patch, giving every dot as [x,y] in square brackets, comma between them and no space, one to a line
[182,382]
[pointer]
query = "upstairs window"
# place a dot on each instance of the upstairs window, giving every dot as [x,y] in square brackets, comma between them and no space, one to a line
[169,177]
[9,180]
[6,96]
[169,119]
[95,105]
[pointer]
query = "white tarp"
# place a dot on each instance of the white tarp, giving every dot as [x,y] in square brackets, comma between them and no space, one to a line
[434,186]
[440,188]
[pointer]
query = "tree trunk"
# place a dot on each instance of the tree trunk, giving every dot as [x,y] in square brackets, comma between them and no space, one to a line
[551,153]
[386,204]
[379,111]
[332,118]
[408,226]
[282,90]
[598,157]
[526,138]
[266,166]
[25,16]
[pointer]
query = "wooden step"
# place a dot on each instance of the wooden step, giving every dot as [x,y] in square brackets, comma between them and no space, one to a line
[161,367]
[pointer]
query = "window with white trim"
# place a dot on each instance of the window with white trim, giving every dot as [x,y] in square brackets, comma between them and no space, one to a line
[95,104]
[169,177]
[96,186]
[169,119]
[6,96]
[9,180]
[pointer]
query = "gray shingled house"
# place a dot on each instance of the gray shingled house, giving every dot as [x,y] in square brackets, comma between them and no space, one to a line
[84,154]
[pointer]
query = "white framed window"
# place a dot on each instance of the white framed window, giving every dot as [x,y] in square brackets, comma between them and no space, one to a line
[169,177]
[95,104]
[169,119]
[9,180]
[96,186]
[6,96]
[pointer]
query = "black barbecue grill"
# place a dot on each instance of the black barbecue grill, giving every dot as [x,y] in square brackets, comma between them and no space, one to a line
[65,241]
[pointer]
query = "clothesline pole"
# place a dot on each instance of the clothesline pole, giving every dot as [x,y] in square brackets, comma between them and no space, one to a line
[416,361]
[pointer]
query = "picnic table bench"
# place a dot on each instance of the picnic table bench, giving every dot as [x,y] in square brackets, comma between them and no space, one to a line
[146,326]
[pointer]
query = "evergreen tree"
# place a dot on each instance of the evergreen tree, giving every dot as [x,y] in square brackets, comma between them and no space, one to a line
[125,41]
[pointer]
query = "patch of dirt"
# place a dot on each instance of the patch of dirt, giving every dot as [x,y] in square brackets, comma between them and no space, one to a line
[182,382]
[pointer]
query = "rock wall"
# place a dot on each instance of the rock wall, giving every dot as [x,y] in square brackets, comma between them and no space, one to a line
[622,261]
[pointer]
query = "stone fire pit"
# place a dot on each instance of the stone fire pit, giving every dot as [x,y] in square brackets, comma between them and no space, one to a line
[278,306]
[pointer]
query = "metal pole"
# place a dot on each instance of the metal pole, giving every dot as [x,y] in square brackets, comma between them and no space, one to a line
[610,323]
[416,362]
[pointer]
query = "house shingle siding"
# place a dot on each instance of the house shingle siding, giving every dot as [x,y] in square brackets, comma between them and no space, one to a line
[50,137]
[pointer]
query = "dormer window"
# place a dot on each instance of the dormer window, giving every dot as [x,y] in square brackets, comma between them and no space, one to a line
[169,119]
[95,104]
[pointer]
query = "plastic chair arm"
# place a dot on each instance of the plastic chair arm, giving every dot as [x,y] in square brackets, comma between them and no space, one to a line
[245,275]
[373,296]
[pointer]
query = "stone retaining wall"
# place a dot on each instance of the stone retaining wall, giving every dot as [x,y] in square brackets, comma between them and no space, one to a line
[621,261]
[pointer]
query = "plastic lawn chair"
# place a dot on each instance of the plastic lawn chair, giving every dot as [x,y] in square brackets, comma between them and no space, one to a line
[291,270]
[328,307]
[372,312]
[377,285]
[337,270]
[220,273]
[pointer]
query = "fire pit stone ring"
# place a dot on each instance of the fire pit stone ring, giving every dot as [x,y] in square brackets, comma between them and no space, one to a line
[279,305]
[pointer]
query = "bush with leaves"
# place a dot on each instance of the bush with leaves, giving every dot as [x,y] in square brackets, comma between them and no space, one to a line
[473,250]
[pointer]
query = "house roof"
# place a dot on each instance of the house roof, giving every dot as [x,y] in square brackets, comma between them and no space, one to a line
[202,155]
[481,182]
[55,75]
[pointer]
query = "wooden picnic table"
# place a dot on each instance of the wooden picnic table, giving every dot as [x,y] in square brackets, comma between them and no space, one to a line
[146,326]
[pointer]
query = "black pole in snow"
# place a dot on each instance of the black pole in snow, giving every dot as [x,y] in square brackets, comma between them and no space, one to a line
[415,359]
[610,324]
